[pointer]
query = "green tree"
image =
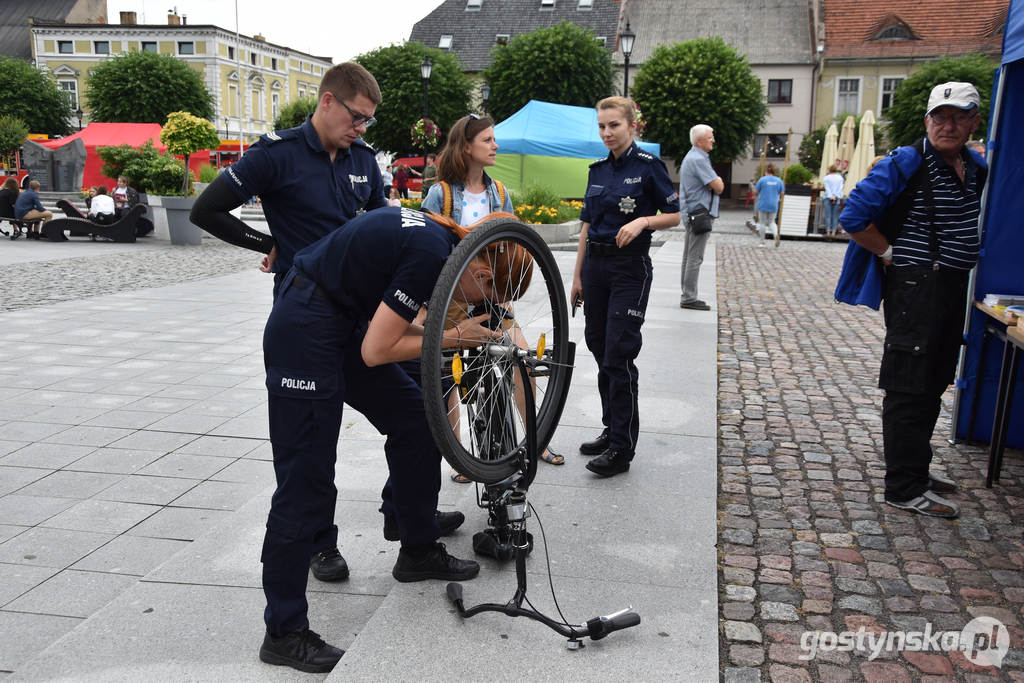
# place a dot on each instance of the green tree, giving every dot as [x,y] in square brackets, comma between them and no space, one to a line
[32,96]
[13,132]
[700,81]
[185,134]
[906,115]
[145,87]
[813,144]
[295,112]
[563,64]
[397,70]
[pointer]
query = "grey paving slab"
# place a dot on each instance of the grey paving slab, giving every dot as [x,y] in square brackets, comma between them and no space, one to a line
[132,555]
[9,531]
[188,423]
[252,427]
[225,447]
[107,516]
[50,456]
[248,471]
[11,446]
[197,633]
[15,478]
[132,419]
[186,466]
[26,635]
[72,593]
[138,488]
[88,435]
[31,510]
[51,547]
[219,495]
[18,579]
[72,415]
[29,431]
[68,484]
[183,524]
[115,460]
[154,441]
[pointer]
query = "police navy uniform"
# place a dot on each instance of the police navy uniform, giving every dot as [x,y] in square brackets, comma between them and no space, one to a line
[304,194]
[314,365]
[617,282]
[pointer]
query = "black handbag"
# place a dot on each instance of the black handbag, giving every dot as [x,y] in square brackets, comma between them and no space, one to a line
[700,220]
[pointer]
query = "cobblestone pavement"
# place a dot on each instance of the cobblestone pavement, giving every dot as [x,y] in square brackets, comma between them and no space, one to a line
[38,283]
[805,542]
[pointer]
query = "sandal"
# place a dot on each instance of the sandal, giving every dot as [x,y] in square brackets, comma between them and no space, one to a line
[549,456]
[458,478]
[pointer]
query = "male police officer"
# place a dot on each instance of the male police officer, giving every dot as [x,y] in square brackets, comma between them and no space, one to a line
[311,179]
[934,245]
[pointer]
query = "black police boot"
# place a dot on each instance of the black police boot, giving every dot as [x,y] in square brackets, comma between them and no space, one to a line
[329,565]
[432,562]
[597,446]
[610,463]
[303,650]
[448,521]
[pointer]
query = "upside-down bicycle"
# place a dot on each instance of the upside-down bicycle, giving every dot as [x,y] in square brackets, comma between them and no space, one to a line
[513,388]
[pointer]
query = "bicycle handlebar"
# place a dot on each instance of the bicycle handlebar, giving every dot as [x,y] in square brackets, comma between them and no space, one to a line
[599,627]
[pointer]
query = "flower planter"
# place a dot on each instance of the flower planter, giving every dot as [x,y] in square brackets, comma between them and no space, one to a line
[170,218]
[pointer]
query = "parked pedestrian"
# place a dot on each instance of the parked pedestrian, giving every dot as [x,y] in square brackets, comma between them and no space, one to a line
[918,211]
[769,190]
[613,272]
[833,197]
[8,196]
[28,207]
[429,174]
[402,180]
[101,209]
[388,180]
[699,190]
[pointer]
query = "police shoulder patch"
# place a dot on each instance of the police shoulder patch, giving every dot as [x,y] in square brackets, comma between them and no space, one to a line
[279,135]
[598,162]
[646,156]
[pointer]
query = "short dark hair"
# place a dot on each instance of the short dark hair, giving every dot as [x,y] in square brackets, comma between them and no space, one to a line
[102,189]
[348,79]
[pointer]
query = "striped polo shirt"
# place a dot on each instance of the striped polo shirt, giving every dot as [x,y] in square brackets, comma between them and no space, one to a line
[956,217]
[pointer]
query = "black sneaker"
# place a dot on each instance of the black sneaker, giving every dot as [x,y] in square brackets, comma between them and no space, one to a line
[597,446]
[303,650]
[435,563]
[610,463]
[696,305]
[329,565]
[448,521]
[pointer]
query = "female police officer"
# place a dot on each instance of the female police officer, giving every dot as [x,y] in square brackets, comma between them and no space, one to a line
[625,192]
[342,319]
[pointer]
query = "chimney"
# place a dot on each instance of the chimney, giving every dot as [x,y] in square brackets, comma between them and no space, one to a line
[173,20]
[260,38]
[128,19]
[184,20]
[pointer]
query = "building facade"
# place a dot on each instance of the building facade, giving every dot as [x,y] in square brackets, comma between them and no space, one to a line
[249,78]
[871,46]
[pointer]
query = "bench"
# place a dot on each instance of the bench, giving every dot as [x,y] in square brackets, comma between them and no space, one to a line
[122,230]
[143,226]
[18,226]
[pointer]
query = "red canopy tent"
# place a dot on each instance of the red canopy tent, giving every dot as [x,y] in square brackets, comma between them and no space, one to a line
[111,135]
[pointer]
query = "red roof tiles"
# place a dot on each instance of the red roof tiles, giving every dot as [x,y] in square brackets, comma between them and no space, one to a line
[941,29]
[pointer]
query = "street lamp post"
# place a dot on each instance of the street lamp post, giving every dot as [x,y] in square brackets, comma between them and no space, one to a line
[485,94]
[626,45]
[425,68]
[79,113]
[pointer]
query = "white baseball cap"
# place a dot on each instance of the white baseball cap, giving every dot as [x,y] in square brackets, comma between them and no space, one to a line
[959,95]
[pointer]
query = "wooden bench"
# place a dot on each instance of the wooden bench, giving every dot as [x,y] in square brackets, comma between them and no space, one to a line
[143,226]
[122,230]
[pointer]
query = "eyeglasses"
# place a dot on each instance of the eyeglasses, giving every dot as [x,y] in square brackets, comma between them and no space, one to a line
[357,118]
[959,118]
[469,118]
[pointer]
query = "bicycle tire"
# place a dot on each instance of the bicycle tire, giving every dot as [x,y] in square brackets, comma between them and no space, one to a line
[544,310]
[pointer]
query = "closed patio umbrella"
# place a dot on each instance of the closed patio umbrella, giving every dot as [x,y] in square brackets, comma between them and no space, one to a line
[864,153]
[845,151]
[829,150]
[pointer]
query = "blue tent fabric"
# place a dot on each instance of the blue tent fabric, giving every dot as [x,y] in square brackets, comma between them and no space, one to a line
[556,130]
[999,265]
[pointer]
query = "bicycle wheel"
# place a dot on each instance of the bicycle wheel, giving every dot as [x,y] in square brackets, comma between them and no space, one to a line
[475,397]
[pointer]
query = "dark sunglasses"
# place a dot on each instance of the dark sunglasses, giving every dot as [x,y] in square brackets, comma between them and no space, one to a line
[357,118]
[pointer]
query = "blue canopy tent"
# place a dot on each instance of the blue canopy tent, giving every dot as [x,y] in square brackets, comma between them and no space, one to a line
[999,267]
[552,145]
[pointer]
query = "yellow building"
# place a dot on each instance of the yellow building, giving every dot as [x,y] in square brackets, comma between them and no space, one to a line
[249,78]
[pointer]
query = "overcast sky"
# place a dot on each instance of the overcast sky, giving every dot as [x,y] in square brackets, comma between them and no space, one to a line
[339,29]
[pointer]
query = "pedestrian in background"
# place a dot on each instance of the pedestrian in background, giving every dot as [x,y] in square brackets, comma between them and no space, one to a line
[699,190]
[624,194]
[833,196]
[769,189]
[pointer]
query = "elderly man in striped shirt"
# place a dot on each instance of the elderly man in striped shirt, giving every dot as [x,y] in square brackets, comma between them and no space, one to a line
[918,211]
